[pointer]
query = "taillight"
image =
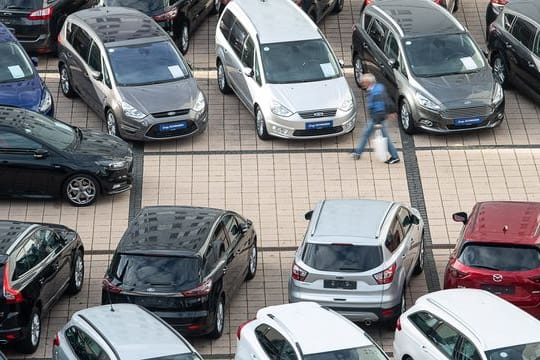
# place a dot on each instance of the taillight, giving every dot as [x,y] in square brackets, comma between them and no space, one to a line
[41,14]
[239,330]
[201,290]
[398,324]
[368,2]
[110,287]
[56,341]
[11,295]
[536,279]
[455,273]
[386,276]
[59,38]
[167,15]
[298,273]
[499,2]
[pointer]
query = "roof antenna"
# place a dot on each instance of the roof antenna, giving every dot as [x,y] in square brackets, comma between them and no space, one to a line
[110,301]
[505,228]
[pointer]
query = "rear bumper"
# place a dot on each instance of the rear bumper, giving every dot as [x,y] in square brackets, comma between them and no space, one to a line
[45,43]
[12,327]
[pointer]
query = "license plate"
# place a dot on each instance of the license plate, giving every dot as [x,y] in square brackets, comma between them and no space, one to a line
[340,284]
[155,302]
[173,126]
[468,121]
[499,289]
[319,125]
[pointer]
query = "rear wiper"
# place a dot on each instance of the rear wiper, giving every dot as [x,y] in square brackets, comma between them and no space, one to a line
[15,7]
[160,283]
[345,268]
[483,267]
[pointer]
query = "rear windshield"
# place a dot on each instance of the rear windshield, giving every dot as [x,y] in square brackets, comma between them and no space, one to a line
[160,273]
[338,257]
[20,4]
[14,64]
[501,257]
[146,6]
[525,351]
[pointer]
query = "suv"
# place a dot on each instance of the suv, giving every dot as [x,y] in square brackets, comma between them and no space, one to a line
[357,258]
[286,76]
[434,70]
[137,101]
[493,10]
[497,251]
[183,263]
[120,332]
[39,262]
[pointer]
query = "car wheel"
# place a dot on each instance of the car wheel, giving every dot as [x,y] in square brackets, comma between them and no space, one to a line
[217,7]
[65,83]
[33,334]
[358,69]
[419,266]
[260,125]
[81,190]
[219,319]
[252,264]
[182,38]
[338,6]
[77,274]
[500,71]
[405,117]
[112,124]
[223,84]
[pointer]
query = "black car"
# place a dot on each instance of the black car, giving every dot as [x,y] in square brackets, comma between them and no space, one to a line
[318,9]
[36,23]
[38,263]
[514,46]
[41,157]
[184,264]
[178,17]
[493,10]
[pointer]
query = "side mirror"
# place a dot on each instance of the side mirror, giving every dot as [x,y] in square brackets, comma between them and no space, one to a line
[35,60]
[244,227]
[248,72]
[308,215]
[341,63]
[96,75]
[41,153]
[414,219]
[393,63]
[460,217]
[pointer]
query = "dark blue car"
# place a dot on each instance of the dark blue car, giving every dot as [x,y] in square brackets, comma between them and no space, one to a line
[20,84]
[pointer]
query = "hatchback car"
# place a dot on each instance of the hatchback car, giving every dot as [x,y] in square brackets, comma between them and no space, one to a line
[184,264]
[20,84]
[357,258]
[36,23]
[466,324]
[430,65]
[304,331]
[287,76]
[120,332]
[46,158]
[111,73]
[179,18]
[39,262]
[498,251]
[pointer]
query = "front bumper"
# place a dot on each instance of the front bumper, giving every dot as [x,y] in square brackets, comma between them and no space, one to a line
[116,181]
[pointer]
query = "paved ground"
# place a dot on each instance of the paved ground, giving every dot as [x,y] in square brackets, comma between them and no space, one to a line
[275,182]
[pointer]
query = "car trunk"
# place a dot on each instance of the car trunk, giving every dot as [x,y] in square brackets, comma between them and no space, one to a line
[15,16]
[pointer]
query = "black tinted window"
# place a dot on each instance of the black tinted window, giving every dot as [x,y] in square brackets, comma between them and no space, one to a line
[377,32]
[392,48]
[247,53]
[367,21]
[466,351]
[146,6]
[84,346]
[38,246]
[20,4]
[94,59]
[394,236]
[404,218]
[226,23]
[233,229]
[274,344]
[238,35]
[524,32]
[80,41]
[50,131]
[508,20]
[424,321]
[14,141]
[338,257]
[500,257]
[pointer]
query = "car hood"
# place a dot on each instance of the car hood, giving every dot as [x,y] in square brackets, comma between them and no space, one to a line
[98,145]
[327,94]
[25,93]
[156,98]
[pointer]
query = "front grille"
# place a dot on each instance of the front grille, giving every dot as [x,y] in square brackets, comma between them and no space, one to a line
[154,131]
[318,114]
[170,113]
[466,112]
[318,132]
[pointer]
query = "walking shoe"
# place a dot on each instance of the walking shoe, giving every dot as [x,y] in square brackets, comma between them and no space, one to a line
[355,156]
[392,161]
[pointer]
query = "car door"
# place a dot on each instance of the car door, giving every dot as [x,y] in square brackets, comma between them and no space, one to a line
[395,244]
[238,250]
[519,51]
[411,239]
[245,79]
[80,42]
[234,65]
[101,87]
[272,345]
[373,55]
[422,334]
[394,73]
[61,258]
[219,247]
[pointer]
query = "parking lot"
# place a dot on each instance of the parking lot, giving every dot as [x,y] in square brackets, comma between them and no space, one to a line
[275,182]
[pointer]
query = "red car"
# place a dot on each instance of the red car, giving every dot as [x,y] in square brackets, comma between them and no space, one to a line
[499,250]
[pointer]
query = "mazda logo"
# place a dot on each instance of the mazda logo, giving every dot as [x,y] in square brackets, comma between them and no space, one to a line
[497,277]
[318,114]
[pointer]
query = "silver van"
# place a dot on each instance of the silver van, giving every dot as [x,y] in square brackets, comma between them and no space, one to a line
[287,76]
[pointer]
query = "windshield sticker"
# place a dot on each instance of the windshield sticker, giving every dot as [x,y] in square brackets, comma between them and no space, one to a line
[175,71]
[111,50]
[266,48]
[16,71]
[408,43]
[327,69]
[468,63]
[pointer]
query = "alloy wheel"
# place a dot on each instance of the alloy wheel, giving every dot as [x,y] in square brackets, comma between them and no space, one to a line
[79,271]
[220,316]
[253,260]
[405,115]
[35,329]
[358,71]
[499,70]
[64,81]
[221,76]
[111,124]
[260,123]
[81,190]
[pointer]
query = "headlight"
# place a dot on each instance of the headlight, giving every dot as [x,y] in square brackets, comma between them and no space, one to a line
[46,101]
[113,164]
[280,110]
[498,94]
[199,103]
[131,112]
[347,104]
[427,103]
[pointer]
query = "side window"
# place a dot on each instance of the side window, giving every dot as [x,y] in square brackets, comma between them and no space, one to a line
[367,21]
[391,48]
[220,241]
[274,344]
[257,70]
[227,21]
[404,218]
[84,346]
[445,338]
[524,32]
[32,252]
[377,32]
[508,21]
[80,41]
[247,53]
[394,236]
[424,321]
[106,76]
[466,351]
[238,36]
[11,141]
[536,47]
[232,228]
[94,57]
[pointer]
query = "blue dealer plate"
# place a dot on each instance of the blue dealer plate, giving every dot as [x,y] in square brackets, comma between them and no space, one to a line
[319,125]
[173,126]
[468,121]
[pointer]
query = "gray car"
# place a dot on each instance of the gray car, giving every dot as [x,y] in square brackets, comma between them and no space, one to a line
[130,72]
[120,332]
[357,258]
[432,68]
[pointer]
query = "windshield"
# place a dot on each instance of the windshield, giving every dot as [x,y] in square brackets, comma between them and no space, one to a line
[338,257]
[161,273]
[20,4]
[441,55]
[518,352]
[146,6]
[501,257]
[167,65]
[50,131]
[298,61]
[14,64]
[370,352]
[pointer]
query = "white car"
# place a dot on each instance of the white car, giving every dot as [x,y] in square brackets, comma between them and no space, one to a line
[466,324]
[303,330]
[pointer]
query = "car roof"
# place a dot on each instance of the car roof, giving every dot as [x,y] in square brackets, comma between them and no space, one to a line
[5,34]
[10,231]
[113,24]
[315,328]
[132,331]
[11,116]
[265,14]
[182,229]
[418,17]
[350,219]
[482,312]
[514,222]
[528,8]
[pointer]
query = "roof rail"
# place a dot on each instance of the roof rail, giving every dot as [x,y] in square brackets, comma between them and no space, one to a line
[291,336]
[100,334]
[318,217]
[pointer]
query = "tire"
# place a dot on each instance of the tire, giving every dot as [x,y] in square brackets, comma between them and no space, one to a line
[500,69]
[419,266]
[182,38]
[111,123]
[252,264]
[33,334]
[223,84]
[405,117]
[358,69]
[218,6]
[65,82]
[81,190]
[260,125]
[338,6]
[219,319]
[77,274]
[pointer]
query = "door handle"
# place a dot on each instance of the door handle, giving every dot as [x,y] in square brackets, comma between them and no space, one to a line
[508,45]
[424,348]
[531,64]
[41,281]
[253,356]
[225,269]
[365,45]
[239,70]
[404,255]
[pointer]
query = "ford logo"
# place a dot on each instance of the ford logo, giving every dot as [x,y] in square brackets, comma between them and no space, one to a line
[171,113]
[497,277]
[467,102]
[318,114]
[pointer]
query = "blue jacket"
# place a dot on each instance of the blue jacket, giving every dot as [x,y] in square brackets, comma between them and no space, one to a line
[377,102]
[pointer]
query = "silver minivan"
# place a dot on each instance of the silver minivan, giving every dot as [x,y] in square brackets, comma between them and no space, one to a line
[357,258]
[286,75]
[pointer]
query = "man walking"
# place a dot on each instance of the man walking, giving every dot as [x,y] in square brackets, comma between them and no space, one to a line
[377,108]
